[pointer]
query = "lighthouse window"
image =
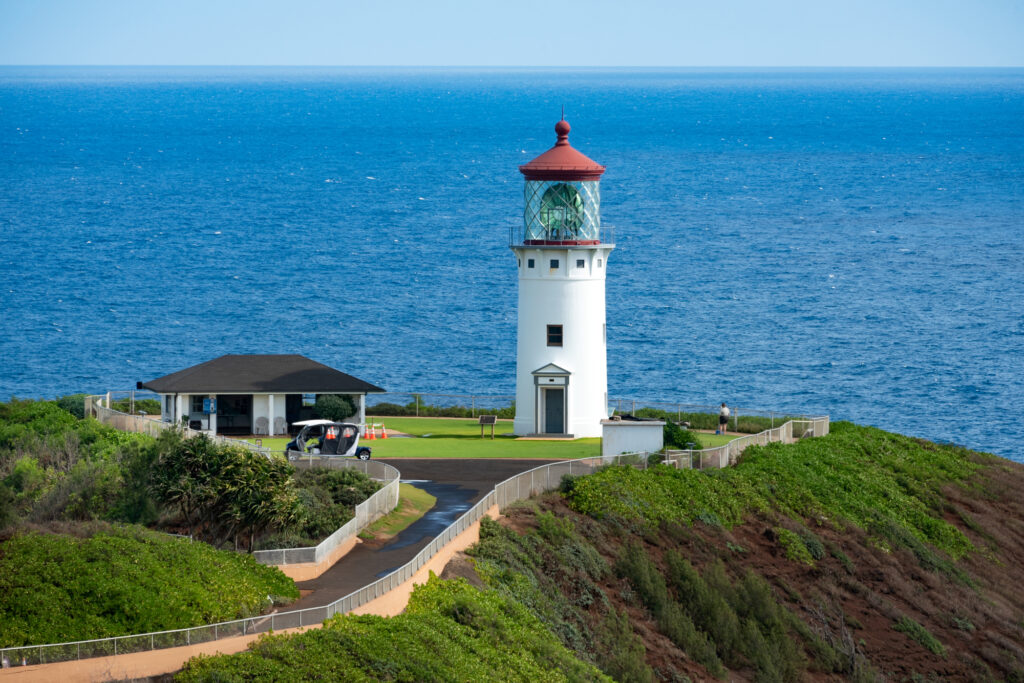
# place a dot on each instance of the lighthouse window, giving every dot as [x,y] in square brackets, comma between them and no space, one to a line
[554,263]
[598,263]
[554,335]
[580,263]
[529,263]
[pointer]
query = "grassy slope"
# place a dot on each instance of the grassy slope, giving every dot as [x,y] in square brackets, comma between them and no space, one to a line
[449,632]
[891,556]
[413,503]
[124,580]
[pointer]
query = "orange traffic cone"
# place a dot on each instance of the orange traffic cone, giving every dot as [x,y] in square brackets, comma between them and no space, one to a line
[383,432]
[370,434]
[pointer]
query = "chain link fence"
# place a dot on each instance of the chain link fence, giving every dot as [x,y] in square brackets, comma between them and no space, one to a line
[519,487]
[440,405]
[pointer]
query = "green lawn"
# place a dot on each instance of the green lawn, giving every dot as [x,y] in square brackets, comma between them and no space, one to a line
[440,426]
[455,447]
[413,503]
[460,438]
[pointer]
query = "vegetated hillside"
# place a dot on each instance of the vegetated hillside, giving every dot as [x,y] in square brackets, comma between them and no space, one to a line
[862,555]
[57,466]
[111,580]
[449,632]
[859,556]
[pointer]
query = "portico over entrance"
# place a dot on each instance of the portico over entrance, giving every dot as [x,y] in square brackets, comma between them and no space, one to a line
[551,400]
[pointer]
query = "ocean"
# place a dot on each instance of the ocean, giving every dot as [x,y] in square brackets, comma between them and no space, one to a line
[826,240]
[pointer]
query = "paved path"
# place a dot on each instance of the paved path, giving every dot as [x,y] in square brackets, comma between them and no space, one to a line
[457,483]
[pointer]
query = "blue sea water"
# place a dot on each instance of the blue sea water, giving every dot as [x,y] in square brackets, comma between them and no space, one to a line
[846,241]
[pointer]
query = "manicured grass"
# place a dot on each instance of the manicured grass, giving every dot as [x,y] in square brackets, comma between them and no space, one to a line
[441,427]
[413,503]
[435,447]
[460,438]
[276,444]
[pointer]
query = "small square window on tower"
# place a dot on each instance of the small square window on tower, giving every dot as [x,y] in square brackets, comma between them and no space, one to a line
[529,263]
[580,263]
[554,335]
[554,263]
[598,263]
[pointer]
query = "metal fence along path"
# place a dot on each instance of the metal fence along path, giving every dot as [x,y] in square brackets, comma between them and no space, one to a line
[524,485]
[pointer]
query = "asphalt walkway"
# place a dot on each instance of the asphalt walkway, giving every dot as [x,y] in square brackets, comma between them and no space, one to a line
[456,483]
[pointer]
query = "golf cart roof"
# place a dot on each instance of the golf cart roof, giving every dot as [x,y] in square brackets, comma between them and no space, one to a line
[317,423]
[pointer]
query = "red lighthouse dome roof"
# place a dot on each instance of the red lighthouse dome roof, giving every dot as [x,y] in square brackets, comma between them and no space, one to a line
[562,162]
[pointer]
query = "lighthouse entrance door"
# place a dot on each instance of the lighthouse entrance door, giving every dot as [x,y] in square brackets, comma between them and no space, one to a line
[554,410]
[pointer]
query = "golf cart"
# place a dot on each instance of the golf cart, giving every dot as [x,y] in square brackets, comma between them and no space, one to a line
[323,437]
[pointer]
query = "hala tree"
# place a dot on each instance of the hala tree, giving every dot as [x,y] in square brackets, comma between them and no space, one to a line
[222,491]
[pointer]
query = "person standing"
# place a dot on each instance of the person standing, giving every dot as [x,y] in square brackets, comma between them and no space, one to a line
[723,419]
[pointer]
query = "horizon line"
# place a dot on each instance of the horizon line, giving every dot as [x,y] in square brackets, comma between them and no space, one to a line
[517,66]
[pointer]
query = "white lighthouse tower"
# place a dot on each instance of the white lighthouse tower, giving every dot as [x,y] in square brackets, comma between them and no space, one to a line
[561,359]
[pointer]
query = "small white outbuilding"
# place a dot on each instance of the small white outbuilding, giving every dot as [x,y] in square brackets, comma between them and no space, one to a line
[245,394]
[635,435]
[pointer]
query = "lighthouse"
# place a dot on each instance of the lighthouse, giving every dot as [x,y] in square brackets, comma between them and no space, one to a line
[562,254]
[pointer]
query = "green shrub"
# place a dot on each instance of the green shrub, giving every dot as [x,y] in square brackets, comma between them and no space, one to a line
[919,633]
[73,403]
[223,493]
[814,545]
[89,491]
[621,653]
[124,580]
[679,438]
[794,546]
[449,632]
[744,424]
[150,406]
[635,565]
[334,407]
[426,410]
[326,500]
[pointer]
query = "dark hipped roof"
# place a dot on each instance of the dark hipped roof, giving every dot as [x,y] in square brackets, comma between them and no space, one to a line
[285,374]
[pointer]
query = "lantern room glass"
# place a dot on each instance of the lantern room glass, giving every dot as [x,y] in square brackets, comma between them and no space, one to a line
[562,211]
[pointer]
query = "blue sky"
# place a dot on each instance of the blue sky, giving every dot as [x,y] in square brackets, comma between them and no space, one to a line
[520,33]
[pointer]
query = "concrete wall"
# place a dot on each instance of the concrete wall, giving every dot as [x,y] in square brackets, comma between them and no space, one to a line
[631,437]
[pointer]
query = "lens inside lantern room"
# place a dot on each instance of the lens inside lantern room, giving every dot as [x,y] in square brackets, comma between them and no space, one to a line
[562,211]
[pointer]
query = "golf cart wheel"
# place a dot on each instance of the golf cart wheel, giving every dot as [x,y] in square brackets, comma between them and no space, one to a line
[364,454]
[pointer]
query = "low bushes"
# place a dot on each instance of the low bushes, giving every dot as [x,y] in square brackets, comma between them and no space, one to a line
[124,580]
[149,406]
[57,467]
[744,424]
[326,500]
[449,632]
[887,484]
[425,410]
